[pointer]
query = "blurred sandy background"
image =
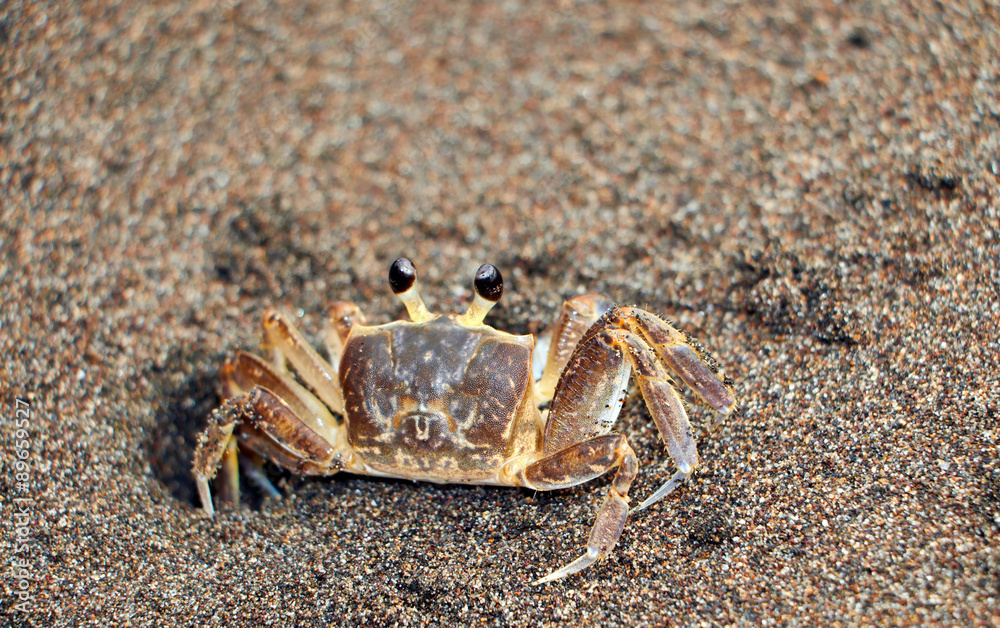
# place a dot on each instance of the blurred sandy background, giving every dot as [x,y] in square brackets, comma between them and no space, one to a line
[810,188]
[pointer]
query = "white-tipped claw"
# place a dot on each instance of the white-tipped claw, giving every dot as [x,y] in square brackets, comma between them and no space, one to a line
[579,564]
[679,478]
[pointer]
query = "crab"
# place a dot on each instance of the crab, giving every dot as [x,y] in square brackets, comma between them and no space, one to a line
[445,398]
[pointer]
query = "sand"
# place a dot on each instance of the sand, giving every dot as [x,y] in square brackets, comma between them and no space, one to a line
[809,189]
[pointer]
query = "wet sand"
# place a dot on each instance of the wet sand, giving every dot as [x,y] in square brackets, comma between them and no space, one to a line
[810,190]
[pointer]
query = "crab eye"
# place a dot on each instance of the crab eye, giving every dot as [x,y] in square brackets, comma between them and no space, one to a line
[402,275]
[489,283]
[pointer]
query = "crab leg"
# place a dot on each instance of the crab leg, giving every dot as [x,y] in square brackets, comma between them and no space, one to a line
[555,345]
[228,487]
[586,404]
[667,410]
[212,446]
[341,317]
[244,371]
[580,463]
[278,434]
[286,344]
[676,351]
[601,352]
[278,410]
[577,443]
[657,339]
[590,393]
[647,334]
[295,457]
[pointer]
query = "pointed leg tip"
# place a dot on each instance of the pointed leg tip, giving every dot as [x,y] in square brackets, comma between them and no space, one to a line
[638,509]
[549,578]
[643,506]
[721,415]
[577,565]
[206,496]
[679,478]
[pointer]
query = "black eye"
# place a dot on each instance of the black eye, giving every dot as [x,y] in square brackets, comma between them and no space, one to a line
[489,283]
[402,274]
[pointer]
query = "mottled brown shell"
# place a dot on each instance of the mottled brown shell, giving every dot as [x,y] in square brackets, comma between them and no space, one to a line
[437,400]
